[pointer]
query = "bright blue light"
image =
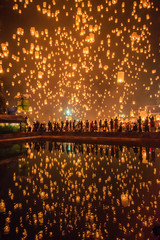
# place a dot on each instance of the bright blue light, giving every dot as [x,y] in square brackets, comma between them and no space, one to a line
[68,112]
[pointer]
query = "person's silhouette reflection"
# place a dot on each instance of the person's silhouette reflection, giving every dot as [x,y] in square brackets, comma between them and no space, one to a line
[147,153]
[140,154]
[112,151]
[50,146]
[106,151]
[153,155]
[117,152]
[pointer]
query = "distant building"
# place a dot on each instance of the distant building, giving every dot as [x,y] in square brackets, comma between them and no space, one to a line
[12,123]
[149,110]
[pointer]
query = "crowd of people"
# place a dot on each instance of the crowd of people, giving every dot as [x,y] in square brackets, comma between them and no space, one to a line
[114,125]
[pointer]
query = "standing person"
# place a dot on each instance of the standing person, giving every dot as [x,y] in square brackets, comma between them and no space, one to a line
[111,124]
[127,127]
[74,125]
[87,126]
[146,127]
[95,125]
[70,125]
[91,126]
[100,125]
[37,125]
[49,126]
[116,124]
[58,127]
[140,123]
[67,124]
[62,123]
[120,127]
[135,127]
[81,125]
[106,125]
[152,123]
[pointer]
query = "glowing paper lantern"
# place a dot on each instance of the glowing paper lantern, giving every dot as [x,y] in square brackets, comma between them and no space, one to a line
[120,77]
[1,69]
[125,200]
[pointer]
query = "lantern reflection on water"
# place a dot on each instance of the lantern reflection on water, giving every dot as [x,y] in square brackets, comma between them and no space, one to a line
[107,185]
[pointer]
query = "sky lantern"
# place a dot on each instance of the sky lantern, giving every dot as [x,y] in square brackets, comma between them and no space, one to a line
[114,1]
[40,74]
[32,31]
[20,31]
[91,37]
[143,114]
[74,66]
[120,77]
[1,69]
[125,199]
[86,50]
[36,54]
[55,54]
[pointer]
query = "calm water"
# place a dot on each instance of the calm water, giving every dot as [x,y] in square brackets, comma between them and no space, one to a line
[72,191]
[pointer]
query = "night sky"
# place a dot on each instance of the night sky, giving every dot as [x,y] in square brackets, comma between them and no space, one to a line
[67,55]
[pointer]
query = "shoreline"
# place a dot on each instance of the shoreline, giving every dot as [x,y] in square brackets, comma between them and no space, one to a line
[120,138]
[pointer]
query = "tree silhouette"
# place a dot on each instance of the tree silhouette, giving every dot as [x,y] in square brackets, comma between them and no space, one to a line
[2,101]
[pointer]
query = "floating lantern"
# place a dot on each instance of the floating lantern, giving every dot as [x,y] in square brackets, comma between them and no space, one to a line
[120,77]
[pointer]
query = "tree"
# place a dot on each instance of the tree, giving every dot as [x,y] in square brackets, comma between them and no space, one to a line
[2,101]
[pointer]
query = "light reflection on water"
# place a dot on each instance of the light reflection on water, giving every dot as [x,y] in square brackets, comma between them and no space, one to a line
[80,191]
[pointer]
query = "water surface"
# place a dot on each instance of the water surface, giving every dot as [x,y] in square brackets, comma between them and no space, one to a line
[79,191]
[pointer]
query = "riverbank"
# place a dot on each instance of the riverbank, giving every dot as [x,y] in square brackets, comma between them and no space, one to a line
[128,138]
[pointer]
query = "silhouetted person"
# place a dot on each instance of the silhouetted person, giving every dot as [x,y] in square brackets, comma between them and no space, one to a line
[67,124]
[120,127]
[49,126]
[62,124]
[74,125]
[116,124]
[111,124]
[29,128]
[152,123]
[70,125]
[106,125]
[100,125]
[81,125]
[135,127]
[139,124]
[91,126]
[146,127]
[87,126]
[95,125]
[156,230]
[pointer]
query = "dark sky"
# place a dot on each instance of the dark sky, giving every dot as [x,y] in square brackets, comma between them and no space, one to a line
[91,92]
